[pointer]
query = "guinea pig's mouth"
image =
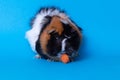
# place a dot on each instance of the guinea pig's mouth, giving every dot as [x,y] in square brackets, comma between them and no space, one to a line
[70,55]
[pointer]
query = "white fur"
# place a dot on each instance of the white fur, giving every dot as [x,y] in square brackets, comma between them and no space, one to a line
[63,44]
[33,34]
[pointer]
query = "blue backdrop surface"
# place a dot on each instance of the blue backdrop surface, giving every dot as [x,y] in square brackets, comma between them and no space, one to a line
[100,49]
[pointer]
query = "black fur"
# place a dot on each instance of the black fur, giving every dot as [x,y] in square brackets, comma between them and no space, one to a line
[39,50]
[72,44]
[54,44]
[52,9]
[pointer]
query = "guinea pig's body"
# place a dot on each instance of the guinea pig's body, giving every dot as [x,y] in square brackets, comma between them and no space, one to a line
[53,34]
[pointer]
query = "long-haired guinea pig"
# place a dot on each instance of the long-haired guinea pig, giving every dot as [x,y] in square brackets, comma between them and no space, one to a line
[54,36]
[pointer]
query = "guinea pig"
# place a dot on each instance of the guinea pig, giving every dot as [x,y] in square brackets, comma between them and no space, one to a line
[53,34]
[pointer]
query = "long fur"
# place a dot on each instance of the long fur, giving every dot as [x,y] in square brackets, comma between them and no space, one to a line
[47,25]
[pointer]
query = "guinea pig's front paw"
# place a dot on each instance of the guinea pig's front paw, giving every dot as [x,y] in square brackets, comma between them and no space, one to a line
[51,60]
[37,56]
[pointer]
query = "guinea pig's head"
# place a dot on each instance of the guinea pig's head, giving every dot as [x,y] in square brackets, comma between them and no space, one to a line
[60,37]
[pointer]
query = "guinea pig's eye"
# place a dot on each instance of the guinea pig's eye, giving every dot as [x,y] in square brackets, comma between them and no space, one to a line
[57,38]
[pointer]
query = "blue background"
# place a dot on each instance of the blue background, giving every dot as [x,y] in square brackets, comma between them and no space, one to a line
[100,49]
